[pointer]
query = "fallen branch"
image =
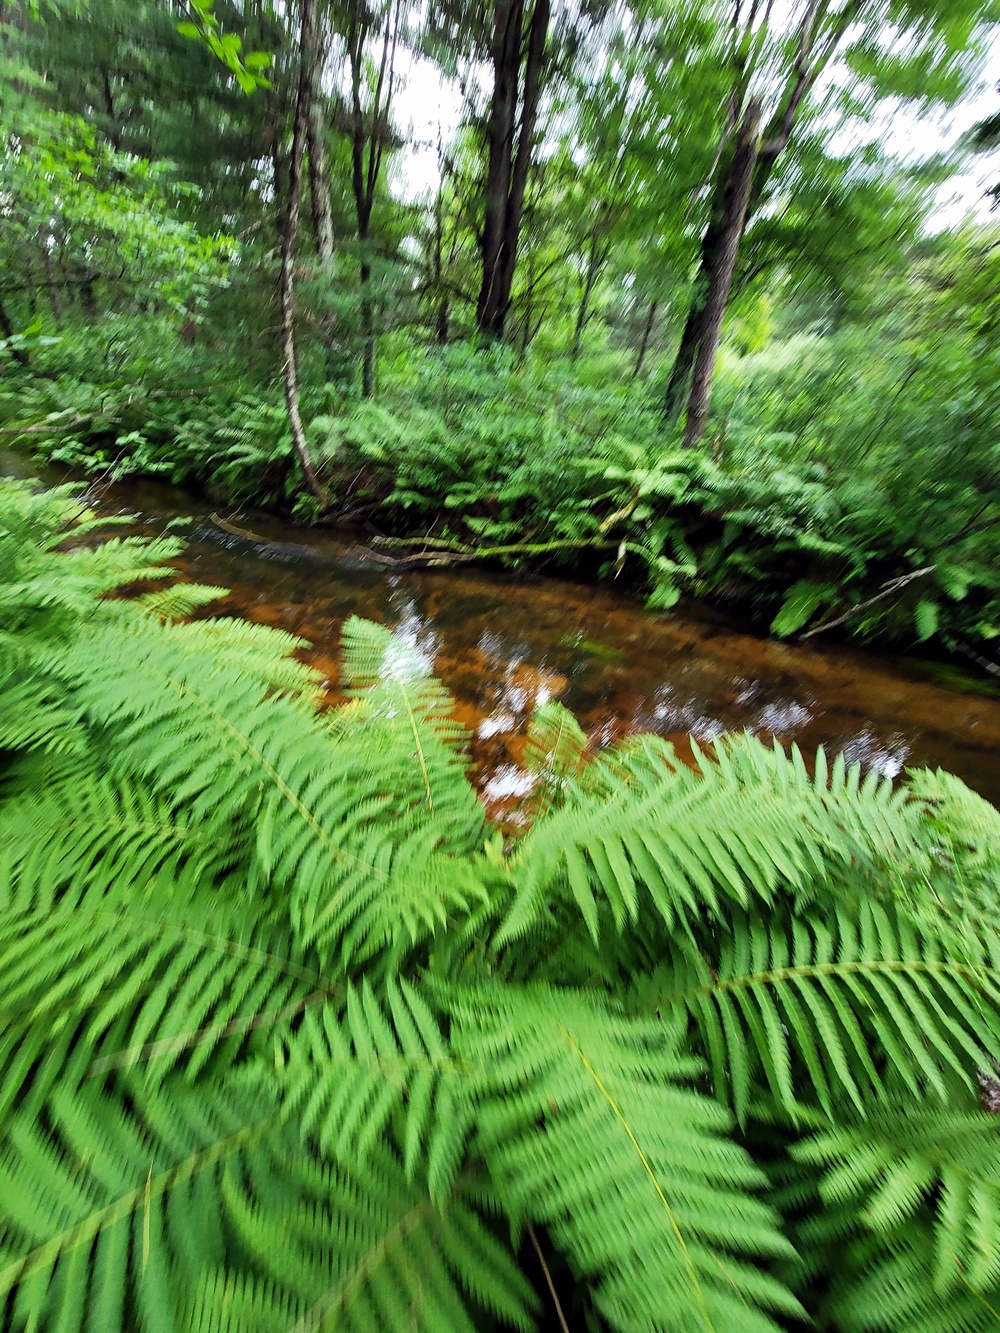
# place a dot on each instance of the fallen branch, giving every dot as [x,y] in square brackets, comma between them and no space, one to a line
[293,548]
[980,661]
[43,428]
[436,543]
[441,559]
[887,589]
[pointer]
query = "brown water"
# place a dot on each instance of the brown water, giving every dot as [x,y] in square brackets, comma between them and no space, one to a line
[503,645]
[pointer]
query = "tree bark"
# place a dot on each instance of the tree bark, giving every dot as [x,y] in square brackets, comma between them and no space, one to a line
[509,161]
[814,52]
[687,348]
[733,220]
[647,333]
[367,332]
[289,238]
[443,313]
[319,176]
[365,176]
[507,20]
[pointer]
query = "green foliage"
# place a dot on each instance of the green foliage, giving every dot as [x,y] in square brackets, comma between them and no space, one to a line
[291,1038]
[227,47]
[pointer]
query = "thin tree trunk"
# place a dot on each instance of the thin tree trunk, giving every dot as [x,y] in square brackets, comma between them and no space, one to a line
[647,333]
[814,53]
[319,179]
[88,293]
[584,310]
[364,177]
[288,243]
[443,313]
[721,279]
[687,348]
[367,331]
[442,324]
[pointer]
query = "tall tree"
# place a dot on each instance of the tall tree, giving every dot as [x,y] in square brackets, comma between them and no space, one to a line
[518,45]
[902,48]
[310,48]
[370,135]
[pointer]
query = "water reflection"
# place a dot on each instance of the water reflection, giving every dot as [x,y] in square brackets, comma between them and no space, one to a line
[783,718]
[886,755]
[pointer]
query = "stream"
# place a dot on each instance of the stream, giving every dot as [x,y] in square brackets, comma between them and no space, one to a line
[503,644]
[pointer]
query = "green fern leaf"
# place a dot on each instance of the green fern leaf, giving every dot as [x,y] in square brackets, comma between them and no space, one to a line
[587,1128]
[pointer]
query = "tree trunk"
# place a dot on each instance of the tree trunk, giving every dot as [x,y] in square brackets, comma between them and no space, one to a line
[583,313]
[365,176]
[443,314]
[288,243]
[687,348]
[319,178]
[508,164]
[647,333]
[815,51]
[525,152]
[507,20]
[733,220]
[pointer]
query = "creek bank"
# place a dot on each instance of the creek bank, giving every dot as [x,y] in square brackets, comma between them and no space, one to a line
[502,644]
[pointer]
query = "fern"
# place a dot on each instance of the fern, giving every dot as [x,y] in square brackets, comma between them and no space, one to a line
[554,752]
[648,831]
[815,1009]
[291,1039]
[382,1069]
[907,1202]
[587,1126]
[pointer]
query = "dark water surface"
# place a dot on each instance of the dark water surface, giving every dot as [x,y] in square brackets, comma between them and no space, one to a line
[503,645]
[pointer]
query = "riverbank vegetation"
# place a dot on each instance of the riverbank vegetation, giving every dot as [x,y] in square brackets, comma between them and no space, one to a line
[294,1039]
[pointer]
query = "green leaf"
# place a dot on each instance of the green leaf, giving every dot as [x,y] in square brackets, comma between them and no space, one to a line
[799,604]
[926,615]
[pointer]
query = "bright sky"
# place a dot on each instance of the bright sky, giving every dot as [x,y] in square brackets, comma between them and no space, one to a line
[429,105]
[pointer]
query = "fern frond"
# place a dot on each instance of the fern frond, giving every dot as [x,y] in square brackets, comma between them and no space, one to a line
[897,1221]
[36,716]
[362,1248]
[179,600]
[202,729]
[810,1009]
[381,1069]
[653,832]
[554,751]
[394,679]
[87,834]
[898,1163]
[643,830]
[102,1204]
[262,651]
[128,982]
[144,1210]
[586,1126]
